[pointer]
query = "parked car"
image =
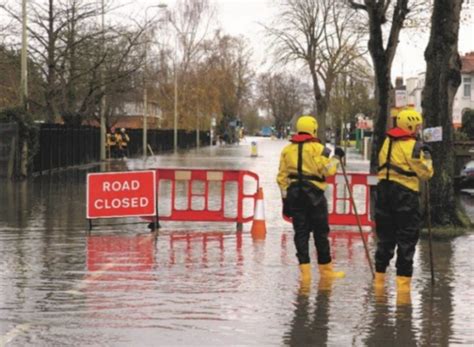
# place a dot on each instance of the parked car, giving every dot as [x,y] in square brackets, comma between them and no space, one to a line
[467,176]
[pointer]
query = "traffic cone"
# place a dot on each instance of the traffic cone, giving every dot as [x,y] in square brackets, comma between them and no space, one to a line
[259,228]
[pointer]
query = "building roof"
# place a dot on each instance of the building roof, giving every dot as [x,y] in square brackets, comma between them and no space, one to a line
[468,63]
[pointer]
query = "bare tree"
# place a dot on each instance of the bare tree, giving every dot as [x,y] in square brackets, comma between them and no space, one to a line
[191,20]
[443,78]
[352,94]
[382,52]
[282,95]
[322,35]
[68,46]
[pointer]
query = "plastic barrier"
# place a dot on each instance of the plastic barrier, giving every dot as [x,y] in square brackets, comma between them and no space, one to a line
[203,195]
[341,211]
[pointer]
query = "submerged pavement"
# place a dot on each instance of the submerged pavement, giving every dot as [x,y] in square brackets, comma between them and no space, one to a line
[201,284]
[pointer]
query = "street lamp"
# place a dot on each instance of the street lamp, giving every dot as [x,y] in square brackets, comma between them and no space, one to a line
[145,91]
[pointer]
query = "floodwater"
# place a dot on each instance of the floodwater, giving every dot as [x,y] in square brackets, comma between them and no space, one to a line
[201,284]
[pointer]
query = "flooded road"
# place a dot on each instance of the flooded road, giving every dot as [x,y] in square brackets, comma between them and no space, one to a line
[202,284]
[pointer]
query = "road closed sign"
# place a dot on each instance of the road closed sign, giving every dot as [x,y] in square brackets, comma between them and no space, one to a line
[121,194]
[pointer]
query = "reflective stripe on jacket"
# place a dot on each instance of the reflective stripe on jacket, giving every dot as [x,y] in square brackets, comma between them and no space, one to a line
[316,162]
[407,163]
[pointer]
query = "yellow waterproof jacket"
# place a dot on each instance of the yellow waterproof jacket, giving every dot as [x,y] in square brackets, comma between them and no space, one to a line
[118,140]
[110,140]
[407,163]
[124,139]
[315,163]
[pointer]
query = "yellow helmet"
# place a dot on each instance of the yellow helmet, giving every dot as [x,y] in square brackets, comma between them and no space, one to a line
[409,120]
[307,124]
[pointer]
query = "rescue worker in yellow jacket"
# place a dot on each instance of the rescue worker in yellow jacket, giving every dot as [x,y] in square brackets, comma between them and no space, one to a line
[125,139]
[403,162]
[304,166]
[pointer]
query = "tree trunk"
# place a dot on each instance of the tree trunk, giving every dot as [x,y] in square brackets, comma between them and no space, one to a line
[382,60]
[443,78]
[382,97]
[321,106]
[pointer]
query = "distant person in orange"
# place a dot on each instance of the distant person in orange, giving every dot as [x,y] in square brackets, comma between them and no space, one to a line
[124,140]
[111,144]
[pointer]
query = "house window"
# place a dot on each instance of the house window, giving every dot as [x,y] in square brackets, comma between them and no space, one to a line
[467,87]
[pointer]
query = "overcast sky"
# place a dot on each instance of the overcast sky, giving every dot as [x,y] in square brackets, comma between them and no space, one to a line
[242,17]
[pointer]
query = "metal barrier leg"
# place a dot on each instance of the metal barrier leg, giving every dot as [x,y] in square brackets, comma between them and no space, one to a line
[239,226]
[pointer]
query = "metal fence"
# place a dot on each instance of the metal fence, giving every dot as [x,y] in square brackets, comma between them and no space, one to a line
[8,148]
[62,146]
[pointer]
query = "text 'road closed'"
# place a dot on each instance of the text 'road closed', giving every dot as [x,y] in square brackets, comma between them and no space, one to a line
[121,194]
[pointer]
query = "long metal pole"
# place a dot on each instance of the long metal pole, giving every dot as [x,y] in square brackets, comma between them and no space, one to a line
[197,130]
[103,101]
[175,125]
[24,56]
[428,222]
[357,218]
[145,95]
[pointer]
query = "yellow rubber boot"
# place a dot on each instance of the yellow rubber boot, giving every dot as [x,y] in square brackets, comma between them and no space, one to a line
[325,270]
[403,290]
[379,281]
[403,284]
[305,270]
[325,284]
[379,286]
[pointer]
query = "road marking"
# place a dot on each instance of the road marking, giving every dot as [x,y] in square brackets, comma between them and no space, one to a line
[8,337]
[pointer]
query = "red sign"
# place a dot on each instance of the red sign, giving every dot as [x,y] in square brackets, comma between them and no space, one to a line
[121,194]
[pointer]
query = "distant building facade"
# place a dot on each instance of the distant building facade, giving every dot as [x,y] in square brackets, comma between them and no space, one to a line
[464,98]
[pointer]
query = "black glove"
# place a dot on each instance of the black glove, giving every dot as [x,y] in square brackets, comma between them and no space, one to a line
[339,152]
[286,207]
[426,148]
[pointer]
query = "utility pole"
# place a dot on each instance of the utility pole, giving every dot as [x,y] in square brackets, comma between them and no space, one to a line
[145,95]
[24,88]
[175,125]
[24,58]
[102,101]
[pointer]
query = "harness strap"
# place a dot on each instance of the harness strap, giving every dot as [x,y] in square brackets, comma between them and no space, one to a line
[300,162]
[307,177]
[389,157]
[300,176]
[397,169]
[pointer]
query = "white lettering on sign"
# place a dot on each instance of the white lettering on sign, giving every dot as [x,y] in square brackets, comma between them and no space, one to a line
[106,204]
[117,186]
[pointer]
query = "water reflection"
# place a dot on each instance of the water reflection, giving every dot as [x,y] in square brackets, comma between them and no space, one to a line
[201,247]
[390,324]
[310,323]
[436,306]
[203,284]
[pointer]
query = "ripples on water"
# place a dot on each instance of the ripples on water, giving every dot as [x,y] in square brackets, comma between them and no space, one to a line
[123,286]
